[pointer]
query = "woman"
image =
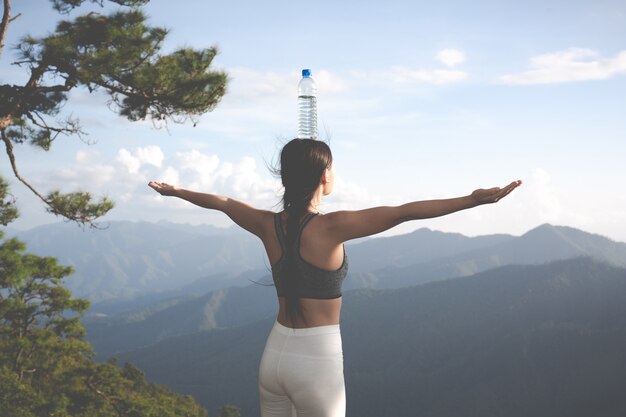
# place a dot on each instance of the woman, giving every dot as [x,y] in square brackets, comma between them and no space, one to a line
[301,371]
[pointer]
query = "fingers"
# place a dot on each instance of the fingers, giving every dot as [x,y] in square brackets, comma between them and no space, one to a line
[513,186]
[155,184]
[159,187]
[507,190]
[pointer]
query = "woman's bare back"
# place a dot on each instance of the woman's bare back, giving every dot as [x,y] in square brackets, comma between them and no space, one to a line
[320,252]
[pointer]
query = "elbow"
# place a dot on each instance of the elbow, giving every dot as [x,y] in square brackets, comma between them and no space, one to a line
[403,214]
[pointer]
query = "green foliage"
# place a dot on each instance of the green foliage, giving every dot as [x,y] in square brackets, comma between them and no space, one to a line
[46,366]
[78,206]
[176,78]
[230,411]
[8,211]
[16,399]
[118,53]
[66,6]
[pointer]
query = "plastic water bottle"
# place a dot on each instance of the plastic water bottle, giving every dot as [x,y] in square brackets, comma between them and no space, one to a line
[307,107]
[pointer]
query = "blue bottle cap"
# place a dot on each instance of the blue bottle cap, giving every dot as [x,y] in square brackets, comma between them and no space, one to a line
[306,72]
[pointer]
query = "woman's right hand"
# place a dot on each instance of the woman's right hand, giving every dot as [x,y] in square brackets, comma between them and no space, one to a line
[163,188]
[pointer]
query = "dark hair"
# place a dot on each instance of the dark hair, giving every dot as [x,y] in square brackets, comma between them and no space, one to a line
[302,164]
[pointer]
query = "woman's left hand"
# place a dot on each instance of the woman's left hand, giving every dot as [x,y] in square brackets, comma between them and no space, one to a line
[493,195]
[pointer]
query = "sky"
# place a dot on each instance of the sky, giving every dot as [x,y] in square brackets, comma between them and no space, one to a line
[418,100]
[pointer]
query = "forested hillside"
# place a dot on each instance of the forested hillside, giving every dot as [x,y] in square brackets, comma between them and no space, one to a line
[545,340]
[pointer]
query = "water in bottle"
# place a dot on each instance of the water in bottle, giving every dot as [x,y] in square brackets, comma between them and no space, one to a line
[307,107]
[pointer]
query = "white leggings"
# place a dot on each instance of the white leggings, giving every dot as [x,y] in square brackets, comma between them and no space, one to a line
[301,373]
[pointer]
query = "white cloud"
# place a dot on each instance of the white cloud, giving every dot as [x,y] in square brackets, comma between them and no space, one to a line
[244,181]
[261,104]
[401,75]
[149,155]
[248,83]
[251,85]
[267,96]
[573,64]
[198,167]
[348,195]
[207,173]
[330,83]
[87,156]
[450,57]
[546,204]
[541,201]
[131,163]
[125,179]
[169,175]
[87,174]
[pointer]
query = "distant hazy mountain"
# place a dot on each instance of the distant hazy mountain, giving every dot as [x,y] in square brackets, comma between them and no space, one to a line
[542,340]
[224,308]
[130,259]
[422,245]
[545,243]
[133,264]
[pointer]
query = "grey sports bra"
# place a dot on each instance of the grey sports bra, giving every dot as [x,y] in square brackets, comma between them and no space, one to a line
[313,282]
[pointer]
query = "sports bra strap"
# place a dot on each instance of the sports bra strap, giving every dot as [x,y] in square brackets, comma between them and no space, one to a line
[306,220]
[278,225]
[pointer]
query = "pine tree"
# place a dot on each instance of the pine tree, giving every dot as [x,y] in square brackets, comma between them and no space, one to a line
[117,53]
[46,365]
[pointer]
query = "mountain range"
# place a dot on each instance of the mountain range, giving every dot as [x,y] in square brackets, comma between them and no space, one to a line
[519,340]
[402,261]
[134,264]
[127,260]
[545,243]
[434,324]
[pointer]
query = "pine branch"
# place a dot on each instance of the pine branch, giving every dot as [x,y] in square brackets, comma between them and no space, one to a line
[11,155]
[54,88]
[71,126]
[74,207]
[7,116]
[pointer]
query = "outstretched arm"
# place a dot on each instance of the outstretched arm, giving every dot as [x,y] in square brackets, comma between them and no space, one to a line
[346,225]
[246,216]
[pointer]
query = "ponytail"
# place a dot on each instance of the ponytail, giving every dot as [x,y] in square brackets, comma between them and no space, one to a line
[302,164]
